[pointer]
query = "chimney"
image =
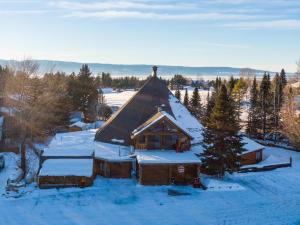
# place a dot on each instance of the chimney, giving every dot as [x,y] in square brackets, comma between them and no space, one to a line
[154,73]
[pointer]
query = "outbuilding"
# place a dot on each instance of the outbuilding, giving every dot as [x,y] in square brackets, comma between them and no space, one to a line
[66,173]
[167,167]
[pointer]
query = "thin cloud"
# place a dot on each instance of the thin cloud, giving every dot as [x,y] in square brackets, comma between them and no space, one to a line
[109,14]
[22,12]
[274,24]
[109,5]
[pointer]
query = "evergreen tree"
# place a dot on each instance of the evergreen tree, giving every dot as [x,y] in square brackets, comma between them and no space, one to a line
[283,78]
[238,94]
[195,104]
[231,84]
[266,108]
[177,94]
[253,116]
[84,93]
[277,99]
[186,99]
[210,103]
[222,141]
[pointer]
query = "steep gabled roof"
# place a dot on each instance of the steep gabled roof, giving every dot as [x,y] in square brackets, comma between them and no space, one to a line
[136,111]
[156,118]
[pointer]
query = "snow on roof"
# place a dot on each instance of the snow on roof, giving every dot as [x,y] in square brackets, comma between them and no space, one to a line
[67,167]
[250,145]
[157,117]
[186,120]
[69,151]
[165,157]
[76,116]
[79,124]
[81,143]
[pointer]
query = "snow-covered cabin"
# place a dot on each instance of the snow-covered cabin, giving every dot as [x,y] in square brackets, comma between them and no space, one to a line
[66,173]
[155,123]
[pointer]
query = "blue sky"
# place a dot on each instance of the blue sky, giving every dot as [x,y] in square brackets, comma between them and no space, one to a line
[240,33]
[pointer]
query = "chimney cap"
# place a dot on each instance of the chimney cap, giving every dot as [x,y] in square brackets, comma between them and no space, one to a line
[154,73]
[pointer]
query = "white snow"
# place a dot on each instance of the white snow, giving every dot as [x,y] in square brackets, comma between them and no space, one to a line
[163,114]
[11,171]
[118,98]
[269,161]
[81,143]
[79,124]
[167,156]
[250,145]
[67,167]
[185,120]
[270,197]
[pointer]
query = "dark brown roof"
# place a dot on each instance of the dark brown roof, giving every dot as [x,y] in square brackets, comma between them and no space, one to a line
[137,110]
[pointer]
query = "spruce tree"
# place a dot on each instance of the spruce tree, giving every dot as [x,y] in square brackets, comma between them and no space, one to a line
[222,142]
[177,94]
[283,77]
[253,116]
[195,104]
[266,108]
[231,84]
[186,99]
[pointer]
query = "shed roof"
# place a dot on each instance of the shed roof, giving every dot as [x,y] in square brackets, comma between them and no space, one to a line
[166,157]
[67,167]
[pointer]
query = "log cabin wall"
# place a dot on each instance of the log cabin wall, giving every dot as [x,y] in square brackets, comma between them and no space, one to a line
[252,157]
[165,174]
[163,135]
[110,169]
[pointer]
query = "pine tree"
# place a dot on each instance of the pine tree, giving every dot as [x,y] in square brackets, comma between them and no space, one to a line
[253,116]
[238,94]
[222,142]
[83,92]
[186,99]
[177,94]
[210,103]
[283,77]
[195,105]
[231,84]
[266,108]
[277,97]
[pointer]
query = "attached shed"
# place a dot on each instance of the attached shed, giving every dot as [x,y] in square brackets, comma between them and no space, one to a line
[113,161]
[253,152]
[66,173]
[167,167]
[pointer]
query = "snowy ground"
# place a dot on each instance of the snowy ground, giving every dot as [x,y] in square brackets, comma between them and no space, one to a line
[271,197]
[113,98]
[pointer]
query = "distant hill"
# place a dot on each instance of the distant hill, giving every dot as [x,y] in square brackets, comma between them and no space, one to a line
[137,70]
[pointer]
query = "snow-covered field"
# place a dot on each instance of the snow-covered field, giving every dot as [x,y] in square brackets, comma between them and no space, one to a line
[113,98]
[271,197]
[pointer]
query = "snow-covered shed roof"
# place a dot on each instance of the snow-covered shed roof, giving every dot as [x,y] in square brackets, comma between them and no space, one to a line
[166,157]
[250,145]
[81,143]
[67,167]
[68,151]
[156,118]
[78,124]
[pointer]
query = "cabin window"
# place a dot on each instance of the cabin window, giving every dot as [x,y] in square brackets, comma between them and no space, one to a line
[170,141]
[154,142]
[142,139]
